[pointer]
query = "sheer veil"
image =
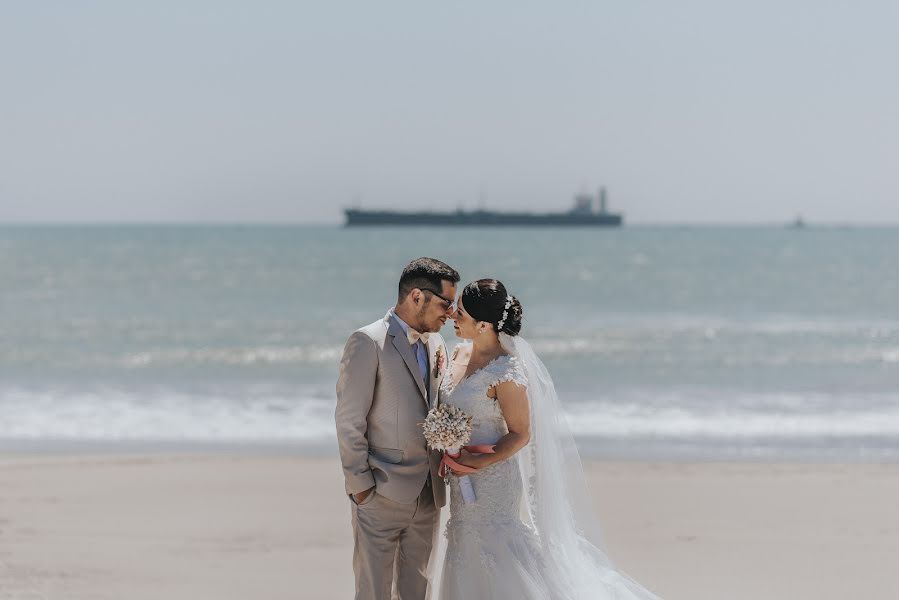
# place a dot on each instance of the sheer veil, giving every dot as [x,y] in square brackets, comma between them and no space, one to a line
[555,500]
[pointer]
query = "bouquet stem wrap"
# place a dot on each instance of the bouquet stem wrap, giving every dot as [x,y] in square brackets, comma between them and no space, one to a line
[447,463]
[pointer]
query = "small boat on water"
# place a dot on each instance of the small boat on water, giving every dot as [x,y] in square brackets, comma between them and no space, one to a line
[798,223]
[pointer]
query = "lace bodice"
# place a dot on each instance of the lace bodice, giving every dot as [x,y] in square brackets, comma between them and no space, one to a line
[470,395]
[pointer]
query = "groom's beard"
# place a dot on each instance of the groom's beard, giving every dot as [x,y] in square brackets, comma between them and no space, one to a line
[422,325]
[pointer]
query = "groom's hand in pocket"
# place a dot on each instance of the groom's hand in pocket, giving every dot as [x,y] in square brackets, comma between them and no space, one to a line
[361,496]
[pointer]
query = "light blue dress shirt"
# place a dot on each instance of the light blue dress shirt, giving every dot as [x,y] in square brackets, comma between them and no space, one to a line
[421,352]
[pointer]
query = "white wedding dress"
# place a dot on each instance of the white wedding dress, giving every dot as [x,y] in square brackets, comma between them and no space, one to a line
[523,538]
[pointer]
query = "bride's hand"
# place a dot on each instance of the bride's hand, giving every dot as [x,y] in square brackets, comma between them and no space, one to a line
[475,461]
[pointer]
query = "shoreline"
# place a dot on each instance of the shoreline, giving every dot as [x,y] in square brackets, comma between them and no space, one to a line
[590,451]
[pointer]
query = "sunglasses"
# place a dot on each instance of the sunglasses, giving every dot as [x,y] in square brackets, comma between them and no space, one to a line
[447,303]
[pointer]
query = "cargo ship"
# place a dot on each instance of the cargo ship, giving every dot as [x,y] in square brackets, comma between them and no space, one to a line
[581,214]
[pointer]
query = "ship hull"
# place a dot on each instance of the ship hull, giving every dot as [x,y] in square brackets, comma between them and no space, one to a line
[356,218]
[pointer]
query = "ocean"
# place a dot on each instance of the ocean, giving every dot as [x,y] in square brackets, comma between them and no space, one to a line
[668,343]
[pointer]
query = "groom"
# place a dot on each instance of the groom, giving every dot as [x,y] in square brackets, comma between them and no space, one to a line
[389,376]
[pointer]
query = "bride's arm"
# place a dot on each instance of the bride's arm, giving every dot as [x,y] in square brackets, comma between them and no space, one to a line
[513,400]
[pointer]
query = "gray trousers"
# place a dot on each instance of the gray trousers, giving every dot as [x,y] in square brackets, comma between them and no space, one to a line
[392,544]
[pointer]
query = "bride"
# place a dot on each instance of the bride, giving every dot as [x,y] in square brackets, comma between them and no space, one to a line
[529,533]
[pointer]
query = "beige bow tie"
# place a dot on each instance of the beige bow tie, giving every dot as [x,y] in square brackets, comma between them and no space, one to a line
[414,336]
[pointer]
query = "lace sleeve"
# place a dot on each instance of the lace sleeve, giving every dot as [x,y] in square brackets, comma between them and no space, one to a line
[508,370]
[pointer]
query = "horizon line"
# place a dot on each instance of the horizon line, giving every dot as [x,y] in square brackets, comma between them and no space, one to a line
[337,224]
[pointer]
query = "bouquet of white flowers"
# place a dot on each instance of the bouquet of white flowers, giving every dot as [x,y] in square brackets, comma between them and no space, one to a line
[448,428]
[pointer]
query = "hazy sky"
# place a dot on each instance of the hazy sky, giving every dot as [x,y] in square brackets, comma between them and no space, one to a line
[688,111]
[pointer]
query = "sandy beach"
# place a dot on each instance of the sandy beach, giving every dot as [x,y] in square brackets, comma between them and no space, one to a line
[173,527]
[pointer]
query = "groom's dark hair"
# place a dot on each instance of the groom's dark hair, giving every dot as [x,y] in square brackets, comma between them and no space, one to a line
[426,273]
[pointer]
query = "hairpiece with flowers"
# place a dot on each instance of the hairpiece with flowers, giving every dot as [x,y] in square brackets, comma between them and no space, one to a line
[499,326]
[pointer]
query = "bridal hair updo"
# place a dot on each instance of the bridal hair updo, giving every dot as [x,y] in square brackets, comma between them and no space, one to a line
[485,300]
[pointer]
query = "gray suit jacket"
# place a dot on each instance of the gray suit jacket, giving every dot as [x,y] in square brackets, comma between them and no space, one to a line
[381,402]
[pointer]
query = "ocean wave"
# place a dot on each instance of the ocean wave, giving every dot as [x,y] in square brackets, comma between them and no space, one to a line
[306,414]
[710,327]
[639,352]
[233,356]
[112,414]
[636,421]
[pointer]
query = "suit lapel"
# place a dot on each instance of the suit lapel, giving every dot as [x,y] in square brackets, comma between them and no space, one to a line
[434,380]
[401,343]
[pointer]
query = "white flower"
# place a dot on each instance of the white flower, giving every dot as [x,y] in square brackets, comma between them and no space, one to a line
[506,308]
